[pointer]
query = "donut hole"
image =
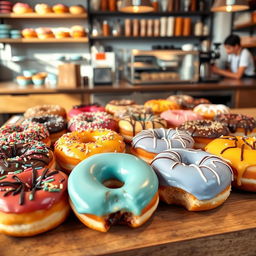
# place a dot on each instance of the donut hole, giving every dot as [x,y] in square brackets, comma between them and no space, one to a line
[113,183]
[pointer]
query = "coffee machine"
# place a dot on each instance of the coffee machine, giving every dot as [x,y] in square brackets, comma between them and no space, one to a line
[207,59]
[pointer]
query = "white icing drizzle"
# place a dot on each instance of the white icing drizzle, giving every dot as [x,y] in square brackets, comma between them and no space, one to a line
[215,173]
[198,168]
[215,108]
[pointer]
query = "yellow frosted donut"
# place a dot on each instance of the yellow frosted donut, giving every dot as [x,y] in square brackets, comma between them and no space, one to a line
[76,146]
[161,105]
[240,152]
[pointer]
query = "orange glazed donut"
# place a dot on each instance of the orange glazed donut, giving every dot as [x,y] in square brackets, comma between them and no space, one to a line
[129,126]
[42,110]
[240,152]
[33,201]
[209,111]
[159,106]
[76,146]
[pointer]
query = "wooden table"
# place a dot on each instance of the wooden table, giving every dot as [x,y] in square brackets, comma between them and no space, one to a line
[227,230]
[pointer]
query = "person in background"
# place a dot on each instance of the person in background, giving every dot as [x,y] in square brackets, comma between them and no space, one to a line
[240,60]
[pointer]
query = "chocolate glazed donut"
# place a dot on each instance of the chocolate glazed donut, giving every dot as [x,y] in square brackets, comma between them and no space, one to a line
[17,157]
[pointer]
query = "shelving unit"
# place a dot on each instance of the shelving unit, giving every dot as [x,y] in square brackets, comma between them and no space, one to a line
[48,40]
[43,16]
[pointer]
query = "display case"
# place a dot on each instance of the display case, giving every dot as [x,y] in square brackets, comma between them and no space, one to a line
[162,66]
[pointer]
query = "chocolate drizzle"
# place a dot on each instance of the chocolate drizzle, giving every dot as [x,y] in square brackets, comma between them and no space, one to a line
[18,186]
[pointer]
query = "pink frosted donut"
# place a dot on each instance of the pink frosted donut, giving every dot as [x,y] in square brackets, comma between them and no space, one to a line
[92,121]
[85,108]
[175,118]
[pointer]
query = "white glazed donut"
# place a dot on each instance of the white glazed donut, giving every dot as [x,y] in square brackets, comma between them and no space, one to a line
[192,178]
[148,143]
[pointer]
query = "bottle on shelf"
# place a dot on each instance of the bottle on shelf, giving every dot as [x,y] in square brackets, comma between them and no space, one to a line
[143,27]
[187,26]
[170,26]
[163,26]
[104,5]
[135,27]
[198,29]
[170,7]
[156,27]
[112,4]
[193,5]
[155,5]
[95,5]
[179,26]
[105,28]
[201,6]
[164,5]
[117,28]
[177,5]
[150,27]
[127,27]
[186,5]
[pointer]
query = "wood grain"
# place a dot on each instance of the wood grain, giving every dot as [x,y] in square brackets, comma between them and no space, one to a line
[169,225]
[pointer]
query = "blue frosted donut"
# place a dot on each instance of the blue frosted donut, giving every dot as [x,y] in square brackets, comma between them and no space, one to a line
[148,143]
[113,188]
[192,178]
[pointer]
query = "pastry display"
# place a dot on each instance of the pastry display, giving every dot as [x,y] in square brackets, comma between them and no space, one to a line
[240,153]
[204,131]
[56,125]
[209,111]
[60,8]
[239,125]
[175,118]
[192,178]
[29,33]
[194,102]
[181,99]
[33,201]
[148,143]
[159,106]
[77,31]
[60,33]
[44,33]
[74,147]
[117,105]
[129,126]
[92,120]
[41,110]
[98,205]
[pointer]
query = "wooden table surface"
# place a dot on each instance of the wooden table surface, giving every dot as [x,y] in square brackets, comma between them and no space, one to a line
[227,230]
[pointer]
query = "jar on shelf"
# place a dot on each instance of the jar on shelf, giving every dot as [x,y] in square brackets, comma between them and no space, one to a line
[95,5]
[127,27]
[104,5]
[155,5]
[198,29]
[112,4]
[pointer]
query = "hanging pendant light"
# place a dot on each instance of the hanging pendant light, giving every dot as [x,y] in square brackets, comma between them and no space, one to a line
[136,6]
[229,5]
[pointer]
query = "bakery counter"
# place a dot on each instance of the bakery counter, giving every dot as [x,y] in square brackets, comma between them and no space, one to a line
[227,230]
[14,99]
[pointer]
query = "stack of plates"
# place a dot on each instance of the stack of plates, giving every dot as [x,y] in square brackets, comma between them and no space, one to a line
[14,33]
[5,30]
[5,7]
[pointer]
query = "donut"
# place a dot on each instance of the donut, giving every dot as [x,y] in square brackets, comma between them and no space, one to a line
[90,120]
[192,178]
[240,152]
[238,124]
[56,125]
[209,111]
[204,131]
[148,143]
[33,201]
[76,146]
[192,104]
[78,109]
[17,156]
[131,125]
[25,133]
[159,106]
[175,118]
[42,110]
[29,33]
[116,105]
[132,110]
[98,205]
[44,33]
[43,9]
[180,99]
[77,9]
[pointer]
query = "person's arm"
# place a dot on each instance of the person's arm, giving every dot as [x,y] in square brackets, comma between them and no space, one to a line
[238,75]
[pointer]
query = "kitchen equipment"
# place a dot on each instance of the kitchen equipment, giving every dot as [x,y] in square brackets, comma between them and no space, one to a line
[208,58]
[162,66]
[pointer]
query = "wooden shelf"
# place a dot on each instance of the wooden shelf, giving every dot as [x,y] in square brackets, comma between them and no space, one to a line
[147,37]
[43,16]
[49,40]
[253,45]
[245,26]
[181,13]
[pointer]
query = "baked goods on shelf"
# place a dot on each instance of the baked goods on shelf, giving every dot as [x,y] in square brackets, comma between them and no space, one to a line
[192,178]
[240,153]
[60,8]
[43,9]
[22,8]
[148,143]
[77,9]
[33,201]
[98,205]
